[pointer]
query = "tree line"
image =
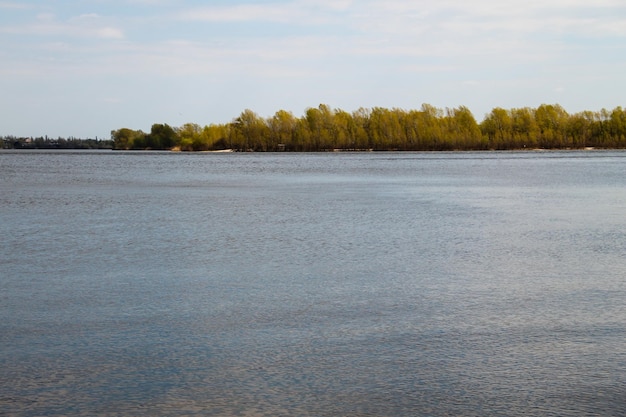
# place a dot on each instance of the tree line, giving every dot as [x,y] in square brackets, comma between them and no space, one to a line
[14,142]
[430,128]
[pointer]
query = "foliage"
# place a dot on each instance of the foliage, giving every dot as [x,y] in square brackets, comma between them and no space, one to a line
[323,128]
[13,142]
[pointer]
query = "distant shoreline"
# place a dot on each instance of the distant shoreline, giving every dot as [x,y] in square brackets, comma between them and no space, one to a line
[324,129]
[345,151]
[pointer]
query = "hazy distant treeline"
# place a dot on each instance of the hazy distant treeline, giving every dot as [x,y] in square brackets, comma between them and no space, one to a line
[429,128]
[14,142]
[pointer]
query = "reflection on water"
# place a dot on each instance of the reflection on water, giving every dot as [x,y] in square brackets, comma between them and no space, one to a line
[403,284]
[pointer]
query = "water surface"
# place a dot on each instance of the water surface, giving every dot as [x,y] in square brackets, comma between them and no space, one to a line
[365,284]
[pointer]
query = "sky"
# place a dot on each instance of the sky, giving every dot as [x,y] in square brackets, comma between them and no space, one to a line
[81,68]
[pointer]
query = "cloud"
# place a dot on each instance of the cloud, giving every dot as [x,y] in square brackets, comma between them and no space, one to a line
[236,13]
[457,17]
[292,53]
[13,5]
[294,12]
[419,28]
[320,36]
[65,30]
[402,36]
[46,24]
[108,33]
[151,2]
[86,16]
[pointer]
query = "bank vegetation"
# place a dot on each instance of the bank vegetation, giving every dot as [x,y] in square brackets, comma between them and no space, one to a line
[44,142]
[430,128]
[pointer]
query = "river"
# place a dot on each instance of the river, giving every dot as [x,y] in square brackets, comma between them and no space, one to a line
[332,284]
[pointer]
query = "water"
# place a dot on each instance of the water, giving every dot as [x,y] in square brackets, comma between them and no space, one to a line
[366,284]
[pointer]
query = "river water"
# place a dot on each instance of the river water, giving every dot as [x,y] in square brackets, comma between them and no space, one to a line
[349,284]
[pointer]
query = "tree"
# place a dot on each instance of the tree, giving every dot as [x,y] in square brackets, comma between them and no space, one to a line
[128,139]
[551,120]
[525,129]
[464,130]
[162,136]
[282,127]
[432,127]
[250,132]
[580,129]
[320,122]
[360,127]
[216,135]
[617,126]
[344,129]
[385,129]
[190,137]
[429,128]
[498,128]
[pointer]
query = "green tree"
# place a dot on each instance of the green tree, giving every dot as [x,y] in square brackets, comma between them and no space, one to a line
[428,128]
[344,130]
[217,136]
[498,128]
[360,127]
[162,136]
[320,123]
[617,127]
[250,132]
[191,138]
[463,131]
[302,136]
[432,131]
[385,130]
[525,129]
[580,129]
[552,121]
[125,138]
[282,127]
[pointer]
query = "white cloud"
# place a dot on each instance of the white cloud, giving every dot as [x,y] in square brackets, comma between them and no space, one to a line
[347,53]
[45,17]
[294,12]
[109,33]
[86,16]
[151,2]
[84,26]
[521,30]
[240,13]
[419,35]
[13,5]
[486,15]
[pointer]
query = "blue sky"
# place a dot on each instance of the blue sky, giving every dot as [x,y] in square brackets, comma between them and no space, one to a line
[83,68]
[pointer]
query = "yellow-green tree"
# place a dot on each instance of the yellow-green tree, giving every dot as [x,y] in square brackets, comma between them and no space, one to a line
[552,121]
[463,132]
[125,138]
[343,130]
[498,128]
[617,126]
[431,127]
[217,136]
[320,123]
[360,127]
[580,129]
[191,138]
[385,129]
[250,132]
[282,127]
